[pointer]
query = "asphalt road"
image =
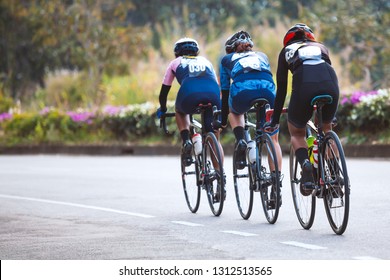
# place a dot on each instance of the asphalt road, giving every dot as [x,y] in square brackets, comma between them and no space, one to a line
[132,207]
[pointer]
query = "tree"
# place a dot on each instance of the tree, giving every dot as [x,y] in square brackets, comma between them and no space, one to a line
[39,36]
[359,31]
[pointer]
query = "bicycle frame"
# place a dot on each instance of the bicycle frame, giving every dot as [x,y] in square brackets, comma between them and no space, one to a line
[204,170]
[320,136]
[262,174]
[258,138]
[332,181]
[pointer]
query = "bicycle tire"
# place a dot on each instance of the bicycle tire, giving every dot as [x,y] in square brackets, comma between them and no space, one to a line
[191,184]
[214,177]
[270,188]
[304,205]
[243,187]
[337,185]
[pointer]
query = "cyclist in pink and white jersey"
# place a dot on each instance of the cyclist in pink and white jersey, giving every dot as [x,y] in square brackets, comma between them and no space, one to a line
[198,84]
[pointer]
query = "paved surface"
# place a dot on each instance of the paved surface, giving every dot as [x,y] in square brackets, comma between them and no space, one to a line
[132,207]
[367,151]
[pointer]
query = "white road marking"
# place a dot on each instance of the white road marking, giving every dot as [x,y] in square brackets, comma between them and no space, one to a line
[77,205]
[365,258]
[303,245]
[187,223]
[239,233]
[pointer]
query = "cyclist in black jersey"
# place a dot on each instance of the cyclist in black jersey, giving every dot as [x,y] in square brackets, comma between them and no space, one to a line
[312,75]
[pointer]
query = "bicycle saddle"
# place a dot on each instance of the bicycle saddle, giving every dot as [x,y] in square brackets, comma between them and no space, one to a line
[322,99]
[260,102]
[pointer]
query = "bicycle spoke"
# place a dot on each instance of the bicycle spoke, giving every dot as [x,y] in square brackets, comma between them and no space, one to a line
[269,180]
[304,205]
[190,176]
[214,176]
[336,199]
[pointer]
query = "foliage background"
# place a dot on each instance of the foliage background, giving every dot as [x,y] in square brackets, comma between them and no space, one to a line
[84,55]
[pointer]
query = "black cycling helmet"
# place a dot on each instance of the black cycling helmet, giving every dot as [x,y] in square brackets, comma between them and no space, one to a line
[299,31]
[237,38]
[186,46]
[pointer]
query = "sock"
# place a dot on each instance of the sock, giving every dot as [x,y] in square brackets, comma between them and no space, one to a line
[301,155]
[238,133]
[185,135]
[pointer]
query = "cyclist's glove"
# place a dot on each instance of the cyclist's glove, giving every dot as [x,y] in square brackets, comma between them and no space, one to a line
[270,128]
[160,112]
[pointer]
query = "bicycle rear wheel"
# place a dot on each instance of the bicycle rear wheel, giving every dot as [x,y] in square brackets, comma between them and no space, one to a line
[336,196]
[304,205]
[191,184]
[214,177]
[243,187]
[269,181]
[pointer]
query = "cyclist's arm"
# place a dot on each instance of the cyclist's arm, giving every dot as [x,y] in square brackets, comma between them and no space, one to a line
[167,82]
[224,78]
[163,97]
[225,107]
[281,92]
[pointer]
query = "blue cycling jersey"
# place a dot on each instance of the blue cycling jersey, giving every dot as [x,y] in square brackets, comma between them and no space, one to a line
[235,64]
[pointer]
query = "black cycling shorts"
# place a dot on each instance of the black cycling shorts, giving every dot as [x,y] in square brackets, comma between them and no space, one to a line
[310,81]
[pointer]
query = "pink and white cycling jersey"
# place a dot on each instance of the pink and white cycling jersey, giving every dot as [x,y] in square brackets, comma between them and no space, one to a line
[188,67]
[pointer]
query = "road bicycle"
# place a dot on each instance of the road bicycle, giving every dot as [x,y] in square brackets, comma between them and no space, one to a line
[205,170]
[261,173]
[331,176]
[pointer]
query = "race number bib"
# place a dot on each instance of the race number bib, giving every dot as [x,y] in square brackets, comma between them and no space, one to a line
[309,52]
[197,68]
[250,63]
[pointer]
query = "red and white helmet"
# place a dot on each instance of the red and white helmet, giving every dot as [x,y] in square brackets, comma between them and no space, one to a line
[299,31]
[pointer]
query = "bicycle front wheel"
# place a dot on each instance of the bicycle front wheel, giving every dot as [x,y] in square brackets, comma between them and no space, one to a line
[304,203]
[191,185]
[214,177]
[337,185]
[243,187]
[268,178]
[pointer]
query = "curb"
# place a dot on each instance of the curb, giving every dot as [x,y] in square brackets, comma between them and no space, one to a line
[365,151]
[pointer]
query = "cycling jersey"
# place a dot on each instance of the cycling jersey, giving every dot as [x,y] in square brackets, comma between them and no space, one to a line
[251,77]
[312,75]
[198,84]
[242,66]
[188,67]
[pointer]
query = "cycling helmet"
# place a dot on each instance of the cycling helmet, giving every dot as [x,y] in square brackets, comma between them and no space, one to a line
[237,38]
[299,31]
[186,46]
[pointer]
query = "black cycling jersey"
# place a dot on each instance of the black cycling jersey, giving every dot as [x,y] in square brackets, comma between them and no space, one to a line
[319,78]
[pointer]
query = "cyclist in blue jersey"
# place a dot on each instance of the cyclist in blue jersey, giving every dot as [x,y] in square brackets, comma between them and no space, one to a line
[312,75]
[245,75]
[198,84]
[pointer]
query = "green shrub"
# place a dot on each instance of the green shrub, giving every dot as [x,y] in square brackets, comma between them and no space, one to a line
[363,117]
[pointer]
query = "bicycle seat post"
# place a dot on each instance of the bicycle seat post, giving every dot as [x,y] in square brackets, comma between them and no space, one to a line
[320,101]
[259,104]
[201,110]
[319,118]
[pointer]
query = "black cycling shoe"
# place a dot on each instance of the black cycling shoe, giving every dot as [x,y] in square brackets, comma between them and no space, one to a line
[307,181]
[186,151]
[240,151]
[271,203]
